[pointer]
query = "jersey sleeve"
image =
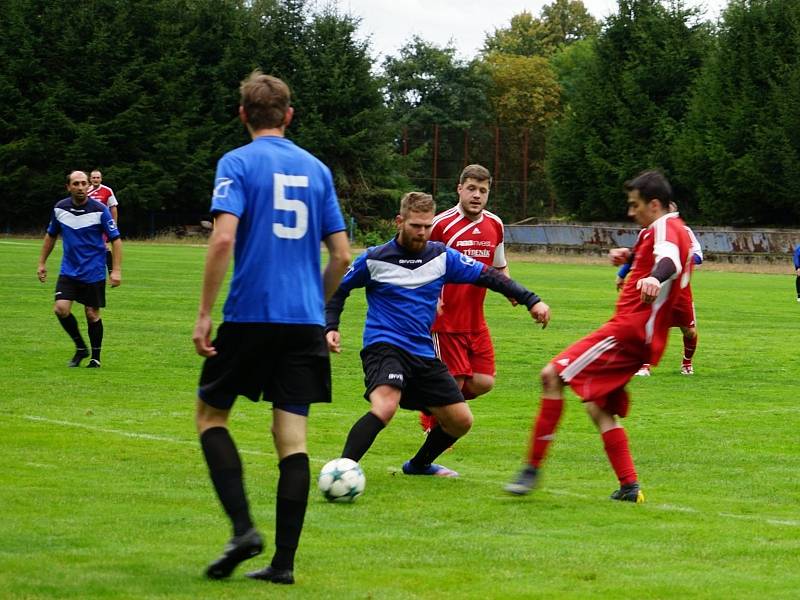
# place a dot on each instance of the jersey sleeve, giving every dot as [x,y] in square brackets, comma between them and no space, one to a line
[228,189]
[109,225]
[112,199]
[461,268]
[356,276]
[437,233]
[54,227]
[697,249]
[500,261]
[332,219]
[669,247]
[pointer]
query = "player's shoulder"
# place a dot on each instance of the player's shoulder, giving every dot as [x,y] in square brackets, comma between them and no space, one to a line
[65,203]
[493,217]
[446,215]
[93,205]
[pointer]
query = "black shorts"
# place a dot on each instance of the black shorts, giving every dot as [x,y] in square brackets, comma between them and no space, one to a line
[288,364]
[423,382]
[88,294]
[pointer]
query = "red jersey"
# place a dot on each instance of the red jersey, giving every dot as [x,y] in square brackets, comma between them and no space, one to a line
[636,324]
[462,304]
[103,194]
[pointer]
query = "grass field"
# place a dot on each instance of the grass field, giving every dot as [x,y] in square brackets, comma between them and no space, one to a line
[104,493]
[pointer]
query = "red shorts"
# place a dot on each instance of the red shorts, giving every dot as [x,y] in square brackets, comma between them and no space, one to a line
[465,353]
[598,367]
[683,312]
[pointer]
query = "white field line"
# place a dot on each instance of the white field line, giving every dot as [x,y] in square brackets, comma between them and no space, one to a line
[160,438]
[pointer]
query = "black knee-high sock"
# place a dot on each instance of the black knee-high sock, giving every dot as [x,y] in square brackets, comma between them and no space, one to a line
[70,325]
[797,285]
[362,434]
[437,442]
[96,337]
[290,508]
[225,468]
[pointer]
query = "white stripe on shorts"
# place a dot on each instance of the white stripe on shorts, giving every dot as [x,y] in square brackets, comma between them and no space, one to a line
[587,358]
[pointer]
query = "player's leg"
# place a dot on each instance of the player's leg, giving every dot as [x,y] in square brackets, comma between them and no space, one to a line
[384,401]
[689,347]
[615,443]
[543,432]
[481,365]
[225,469]
[95,326]
[289,427]
[434,387]
[797,286]
[66,292]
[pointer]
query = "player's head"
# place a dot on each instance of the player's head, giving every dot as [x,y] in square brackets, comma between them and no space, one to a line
[473,190]
[649,196]
[77,186]
[415,221]
[265,102]
[96,177]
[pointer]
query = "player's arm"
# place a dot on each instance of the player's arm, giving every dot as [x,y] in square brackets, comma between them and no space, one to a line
[114,213]
[496,281]
[339,259]
[116,262]
[668,265]
[47,247]
[220,249]
[356,276]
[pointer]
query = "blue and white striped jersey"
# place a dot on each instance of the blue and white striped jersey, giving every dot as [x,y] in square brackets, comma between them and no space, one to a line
[81,228]
[402,292]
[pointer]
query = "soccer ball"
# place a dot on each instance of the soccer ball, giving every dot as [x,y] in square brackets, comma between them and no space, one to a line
[341,480]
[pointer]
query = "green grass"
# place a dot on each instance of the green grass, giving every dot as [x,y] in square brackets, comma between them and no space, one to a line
[104,492]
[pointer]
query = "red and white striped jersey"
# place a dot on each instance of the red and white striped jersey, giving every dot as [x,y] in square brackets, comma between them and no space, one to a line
[635,322]
[482,239]
[103,194]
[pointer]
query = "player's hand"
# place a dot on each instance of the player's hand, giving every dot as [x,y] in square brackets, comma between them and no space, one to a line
[41,273]
[202,337]
[334,339]
[620,282]
[619,256]
[115,278]
[540,313]
[439,307]
[649,287]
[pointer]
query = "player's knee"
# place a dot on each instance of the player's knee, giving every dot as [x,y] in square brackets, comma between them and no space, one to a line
[479,385]
[62,312]
[549,376]
[92,314]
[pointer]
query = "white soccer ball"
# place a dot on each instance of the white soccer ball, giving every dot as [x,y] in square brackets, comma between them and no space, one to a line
[341,480]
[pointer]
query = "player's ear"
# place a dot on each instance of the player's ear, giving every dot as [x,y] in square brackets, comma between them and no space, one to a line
[287,118]
[242,115]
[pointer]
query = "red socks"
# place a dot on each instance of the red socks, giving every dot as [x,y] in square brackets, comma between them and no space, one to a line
[689,346]
[615,442]
[544,429]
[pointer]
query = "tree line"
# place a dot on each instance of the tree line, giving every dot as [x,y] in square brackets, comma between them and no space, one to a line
[147,91]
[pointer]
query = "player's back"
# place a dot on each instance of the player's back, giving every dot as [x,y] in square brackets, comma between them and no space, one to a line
[286,204]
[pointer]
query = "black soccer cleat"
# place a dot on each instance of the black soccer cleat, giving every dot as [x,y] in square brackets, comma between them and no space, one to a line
[93,364]
[629,493]
[237,550]
[269,573]
[525,481]
[80,354]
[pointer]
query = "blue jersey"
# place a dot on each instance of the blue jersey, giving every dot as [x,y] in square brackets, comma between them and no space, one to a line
[81,228]
[403,290]
[286,205]
[796,257]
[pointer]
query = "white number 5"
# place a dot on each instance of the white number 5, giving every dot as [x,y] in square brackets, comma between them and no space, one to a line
[298,207]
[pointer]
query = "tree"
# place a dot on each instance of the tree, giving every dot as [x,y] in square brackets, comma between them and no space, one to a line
[560,24]
[739,151]
[627,100]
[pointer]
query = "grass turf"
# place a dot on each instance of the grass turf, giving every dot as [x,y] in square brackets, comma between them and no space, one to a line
[105,493]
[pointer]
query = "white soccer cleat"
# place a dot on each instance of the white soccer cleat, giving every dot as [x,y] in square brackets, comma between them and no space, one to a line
[644,371]
[687,369]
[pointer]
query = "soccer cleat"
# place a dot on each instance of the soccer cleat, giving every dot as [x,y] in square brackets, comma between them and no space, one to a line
[644,371]
[431,469]
[237,550]
[93,364]
[798,298]
[269,573]
[80,354]
[629,493]
[687,369]
[525,481]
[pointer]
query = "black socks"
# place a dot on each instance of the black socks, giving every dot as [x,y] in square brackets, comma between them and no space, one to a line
[96,337]
[290,508]
[362,434]
[225,469]
[70,325]
[437,442]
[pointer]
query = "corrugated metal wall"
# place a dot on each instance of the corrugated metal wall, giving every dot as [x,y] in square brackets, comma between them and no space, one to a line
[599,237]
